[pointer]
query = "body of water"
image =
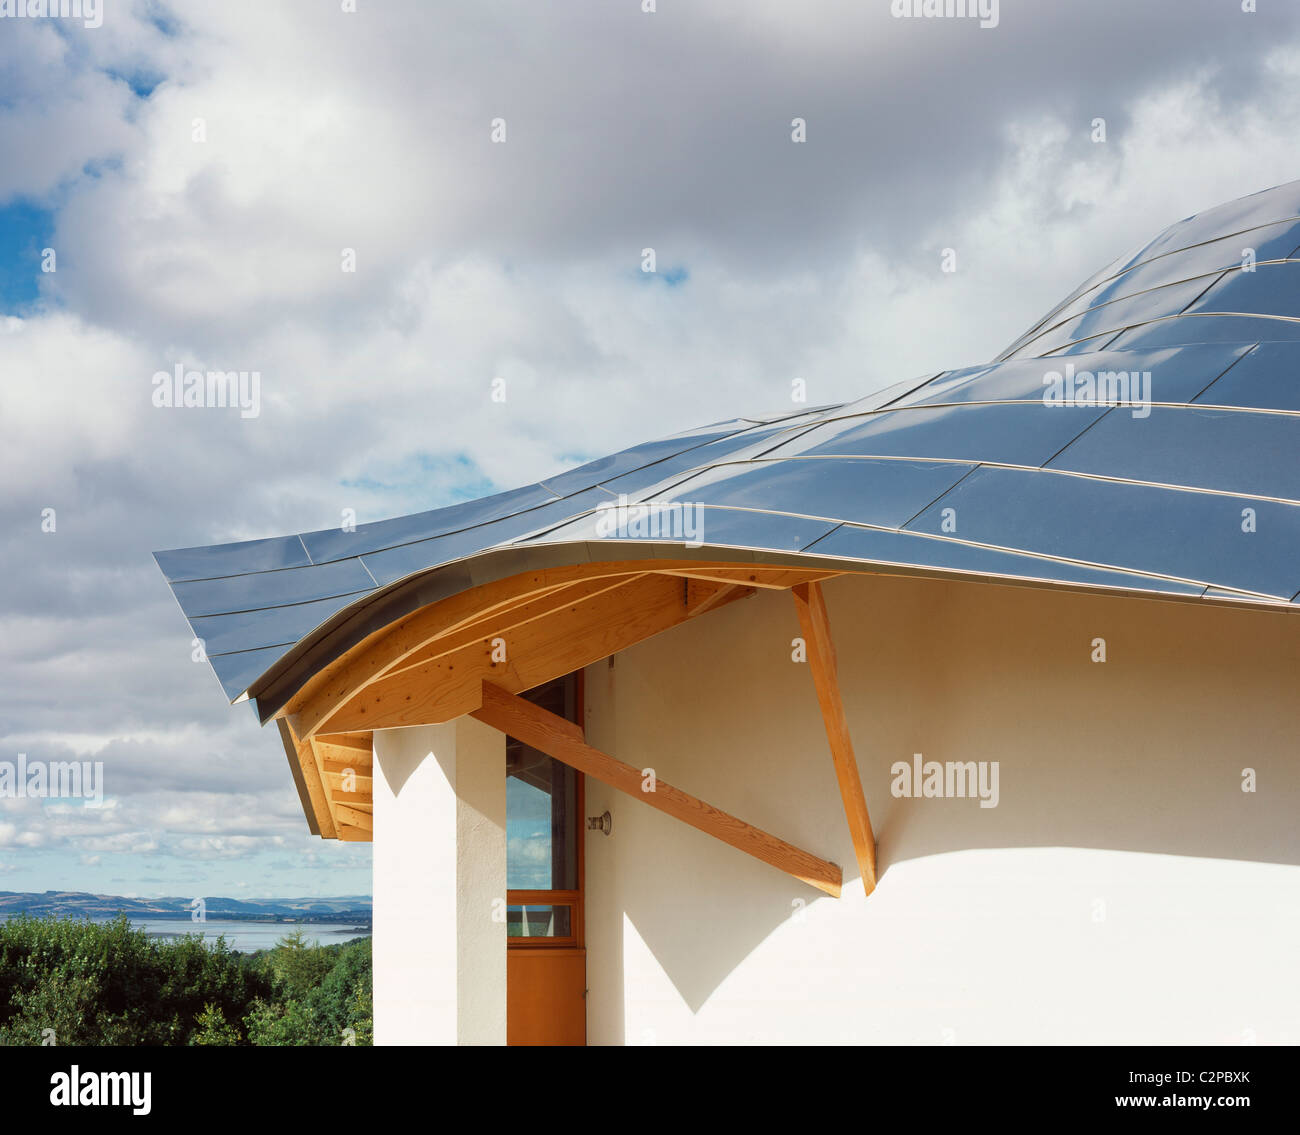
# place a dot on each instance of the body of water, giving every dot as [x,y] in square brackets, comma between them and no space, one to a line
[248,937]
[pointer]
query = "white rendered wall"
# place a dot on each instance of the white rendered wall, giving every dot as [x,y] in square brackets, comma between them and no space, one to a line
[1124,890]
[439,863]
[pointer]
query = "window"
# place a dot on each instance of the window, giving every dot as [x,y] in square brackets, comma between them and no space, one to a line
[543,822]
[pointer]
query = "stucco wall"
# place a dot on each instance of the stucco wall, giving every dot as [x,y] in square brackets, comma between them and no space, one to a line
[439,866]
[1125,888]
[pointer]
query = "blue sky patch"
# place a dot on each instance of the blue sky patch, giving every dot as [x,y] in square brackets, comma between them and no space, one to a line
[670,277]
[25,229]
[448,480]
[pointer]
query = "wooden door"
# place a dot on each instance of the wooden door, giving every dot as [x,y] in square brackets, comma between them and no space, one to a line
[546,958]
[546,999]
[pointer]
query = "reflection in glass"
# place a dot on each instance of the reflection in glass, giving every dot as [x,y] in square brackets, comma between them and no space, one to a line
[542,807]
[544,921]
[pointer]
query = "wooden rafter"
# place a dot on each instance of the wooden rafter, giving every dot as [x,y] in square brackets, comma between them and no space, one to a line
[769,578]
[392,646]
[703,596]
[568,638]
[430,666]
[564,741]
[815,623]
[304,753]
[353,817]
[512,601]
[497,625]
[335,774]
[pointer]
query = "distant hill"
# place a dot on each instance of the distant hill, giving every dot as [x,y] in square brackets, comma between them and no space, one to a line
[346,908]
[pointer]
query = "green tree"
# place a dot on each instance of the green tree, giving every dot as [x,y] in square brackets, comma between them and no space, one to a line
[212,1028]
[76,982]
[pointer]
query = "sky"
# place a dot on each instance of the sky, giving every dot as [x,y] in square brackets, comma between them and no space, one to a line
[199,171]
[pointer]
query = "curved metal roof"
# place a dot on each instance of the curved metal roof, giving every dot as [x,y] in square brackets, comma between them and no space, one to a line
[1186,484]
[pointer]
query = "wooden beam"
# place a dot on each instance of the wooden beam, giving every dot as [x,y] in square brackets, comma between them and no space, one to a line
[771,578]
[290,747]
[311,775]
[361,801]
[360,743]
[543,649]
[355,835]
[335,782]
[813,620]
[392,646]
[354,817]
[563,740]
[503,623]
[331,762]
[315,755]
[703,595]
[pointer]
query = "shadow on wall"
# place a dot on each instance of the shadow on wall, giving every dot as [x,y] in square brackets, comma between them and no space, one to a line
[1146,751]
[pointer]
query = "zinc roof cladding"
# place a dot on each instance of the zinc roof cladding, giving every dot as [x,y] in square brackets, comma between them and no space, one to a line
[1185,481]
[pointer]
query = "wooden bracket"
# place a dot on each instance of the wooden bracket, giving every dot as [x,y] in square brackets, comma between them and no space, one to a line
[561,739]
[811,606]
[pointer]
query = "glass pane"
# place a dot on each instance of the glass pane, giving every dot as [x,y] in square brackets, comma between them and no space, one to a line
[538,922]
[542,806]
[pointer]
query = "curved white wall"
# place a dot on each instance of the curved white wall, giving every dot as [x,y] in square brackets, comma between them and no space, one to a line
[1124,890]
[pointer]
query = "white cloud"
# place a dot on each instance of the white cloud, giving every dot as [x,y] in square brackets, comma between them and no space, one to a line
[370,131]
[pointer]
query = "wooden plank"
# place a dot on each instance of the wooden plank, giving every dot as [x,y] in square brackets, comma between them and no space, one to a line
[361,801]
[390,646]
[813,620]
[335,781]
[562,740]
[355,835]
[311,776]
[320,773]
[704,595]
[353,817]
[503,623]
[360,743]
[341,680]
[290,747]
[546,995]
[772,579]
[544,649]
[335,760]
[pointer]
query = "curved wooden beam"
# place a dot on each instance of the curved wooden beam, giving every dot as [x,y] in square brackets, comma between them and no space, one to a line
[568,638]
[446,627]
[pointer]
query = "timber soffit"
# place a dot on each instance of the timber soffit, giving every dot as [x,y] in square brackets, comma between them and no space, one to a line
[967,472]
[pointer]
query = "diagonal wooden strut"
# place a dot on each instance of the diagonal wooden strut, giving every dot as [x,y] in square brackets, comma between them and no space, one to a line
[564,741]
[816,627]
